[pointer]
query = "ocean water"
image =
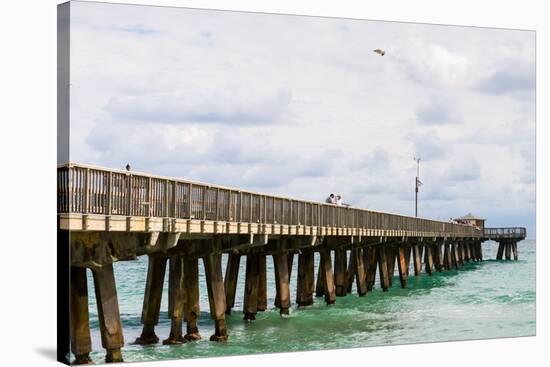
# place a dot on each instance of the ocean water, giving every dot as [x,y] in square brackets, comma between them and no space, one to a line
[491,299]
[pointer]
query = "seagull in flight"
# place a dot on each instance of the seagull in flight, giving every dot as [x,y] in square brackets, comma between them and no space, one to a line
[380,51]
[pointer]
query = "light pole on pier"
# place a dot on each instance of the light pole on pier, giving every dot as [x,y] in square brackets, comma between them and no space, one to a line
[418,183]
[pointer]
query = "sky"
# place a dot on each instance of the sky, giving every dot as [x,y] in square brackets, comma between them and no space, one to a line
[302,107]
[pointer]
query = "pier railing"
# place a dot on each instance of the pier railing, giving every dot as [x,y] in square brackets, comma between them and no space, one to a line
[92,190]
[512,232]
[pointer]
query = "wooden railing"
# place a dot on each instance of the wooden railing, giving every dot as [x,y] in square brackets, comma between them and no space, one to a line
[512,232]
[92,190]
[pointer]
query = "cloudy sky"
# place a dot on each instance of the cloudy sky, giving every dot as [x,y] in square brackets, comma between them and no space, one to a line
[302,106]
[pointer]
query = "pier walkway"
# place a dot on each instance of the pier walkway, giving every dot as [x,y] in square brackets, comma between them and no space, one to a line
[107,215]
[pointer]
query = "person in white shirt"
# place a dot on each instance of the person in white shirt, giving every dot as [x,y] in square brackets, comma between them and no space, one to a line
[339,200]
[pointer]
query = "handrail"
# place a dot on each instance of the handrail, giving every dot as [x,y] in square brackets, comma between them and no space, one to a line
[88,189]
[505,232]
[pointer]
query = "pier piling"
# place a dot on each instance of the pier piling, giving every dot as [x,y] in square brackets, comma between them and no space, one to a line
[252,280]
[152,299]
[417,259]
[403,265]
[383,268]
[360,274]
[177,299]
[81,342]
[192,309]
[306,278]
[108,312]
[328,277]
[371,263]
[216,294]
[428,259]
[230,280]
[280,262]
[340,268]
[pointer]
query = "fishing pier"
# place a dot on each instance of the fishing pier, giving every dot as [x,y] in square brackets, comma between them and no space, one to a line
[106,216]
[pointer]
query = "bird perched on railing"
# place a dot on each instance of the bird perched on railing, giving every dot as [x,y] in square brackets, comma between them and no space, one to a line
[128,167]
[380,51]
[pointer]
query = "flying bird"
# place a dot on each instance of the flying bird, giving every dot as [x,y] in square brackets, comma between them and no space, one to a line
[128,167]
[380,51]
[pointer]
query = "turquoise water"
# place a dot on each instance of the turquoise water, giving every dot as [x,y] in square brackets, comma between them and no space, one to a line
[483,300]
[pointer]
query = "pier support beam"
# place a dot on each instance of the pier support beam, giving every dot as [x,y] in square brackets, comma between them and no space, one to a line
[454,256]
[360,274]
[515,249]
[447,256]
[372,259]
[262,284]
[340,268]
[350,272]
[108,313]
[500,250]
[230,281]
[391,257]
[320,284]
[383,268]
[306,278]
[508,250]
[252,280]
[417,259]
[280,261]
[177,299]
[152,299]
[192,309]
[328,277]
[437,257]
[403,265]
[81,342]
[460,254]
[428,259]
[216,295]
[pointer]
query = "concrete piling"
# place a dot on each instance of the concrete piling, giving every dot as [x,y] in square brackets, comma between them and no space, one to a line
[81,342]
[340,268]
[192,310]
[328,277]
[152,299]
[230,280]
[177,300]
[371,263]
[403,265]
[280,261]
[417,259]
[252,280]
[360,274]
[216,294]
[262,283]
[383,268]
[428,259]
[306,278]
[108,313]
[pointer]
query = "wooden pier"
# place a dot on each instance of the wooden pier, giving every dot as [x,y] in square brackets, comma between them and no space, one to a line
[107,215]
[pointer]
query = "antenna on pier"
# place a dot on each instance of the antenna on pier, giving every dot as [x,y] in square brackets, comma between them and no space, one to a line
[417,184]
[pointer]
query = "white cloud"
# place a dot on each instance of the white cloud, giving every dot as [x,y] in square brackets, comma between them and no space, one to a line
[301,106]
